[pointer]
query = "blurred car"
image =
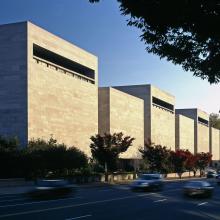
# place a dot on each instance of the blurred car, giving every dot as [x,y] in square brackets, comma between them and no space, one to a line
[198,189]
[51,188]
[211,174]
[218,179]
[148,182]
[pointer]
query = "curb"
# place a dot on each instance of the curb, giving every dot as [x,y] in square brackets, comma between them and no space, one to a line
[184,179]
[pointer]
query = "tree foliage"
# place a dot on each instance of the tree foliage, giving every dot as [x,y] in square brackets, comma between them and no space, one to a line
[9,143]
[38,159]
[185,32]
[156,157]
[214,120]
[11,159]
[160,159]
[190,164]
[53,157]
[202,160]
[107,148]
[180,160]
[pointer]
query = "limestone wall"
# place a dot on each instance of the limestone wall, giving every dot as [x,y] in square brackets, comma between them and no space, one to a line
[203,114]
[143,92]
[104,110]
[163,95]
[159,124]
[126,114]
[184,133]
[162,120]
[202,138]
[215,143]
[60,104]
[201,130]
[13,81]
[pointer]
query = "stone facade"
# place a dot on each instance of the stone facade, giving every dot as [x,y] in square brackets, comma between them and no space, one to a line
[203,138]
[49,86]
[159,113]
[203,132]
[121,112]
[162,119]
[184,133]
[13,81]
[201,128]
[215,144]
[55,86]
[60,103]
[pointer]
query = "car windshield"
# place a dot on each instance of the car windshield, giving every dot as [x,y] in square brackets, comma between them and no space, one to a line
[149,177]
[211,172]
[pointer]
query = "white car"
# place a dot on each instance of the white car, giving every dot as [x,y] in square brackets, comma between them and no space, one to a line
[51,188]
[148,181]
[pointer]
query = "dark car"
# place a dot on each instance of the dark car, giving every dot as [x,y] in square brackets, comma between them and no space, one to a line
[211,174]
[51,188]
[148,182]
[218,179]
[198,189]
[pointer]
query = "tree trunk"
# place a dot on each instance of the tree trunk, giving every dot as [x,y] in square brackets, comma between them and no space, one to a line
[106,172]
[194,173]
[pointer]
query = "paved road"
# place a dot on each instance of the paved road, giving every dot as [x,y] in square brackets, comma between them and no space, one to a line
[112,203]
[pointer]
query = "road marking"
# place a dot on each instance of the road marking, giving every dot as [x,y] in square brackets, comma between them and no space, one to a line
[69,206]
[31,203]
[203,203]
[75,205]
[83,216]
[160,200]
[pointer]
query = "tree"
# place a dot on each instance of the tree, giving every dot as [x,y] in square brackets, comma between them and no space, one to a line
[39,158]
[75,158]
[9,143]
[214,120]
[191,162]
[179,161]
[185,32]
[107,148]
[202,161]
[156,157]
[54,157]
[10,157]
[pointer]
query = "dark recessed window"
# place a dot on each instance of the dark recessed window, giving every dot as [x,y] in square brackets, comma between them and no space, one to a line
[64,62]
[162,104]
[203,121]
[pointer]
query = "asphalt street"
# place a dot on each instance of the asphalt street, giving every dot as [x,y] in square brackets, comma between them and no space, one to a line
[113,202]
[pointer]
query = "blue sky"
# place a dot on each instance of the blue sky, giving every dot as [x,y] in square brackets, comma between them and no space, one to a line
[101,30]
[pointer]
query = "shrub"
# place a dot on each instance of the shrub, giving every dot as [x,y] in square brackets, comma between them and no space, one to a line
[40,159]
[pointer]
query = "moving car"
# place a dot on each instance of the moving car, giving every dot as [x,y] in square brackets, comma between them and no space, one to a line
[148,182]
[51,188]
[198,189]
[211,174]
[218,179]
